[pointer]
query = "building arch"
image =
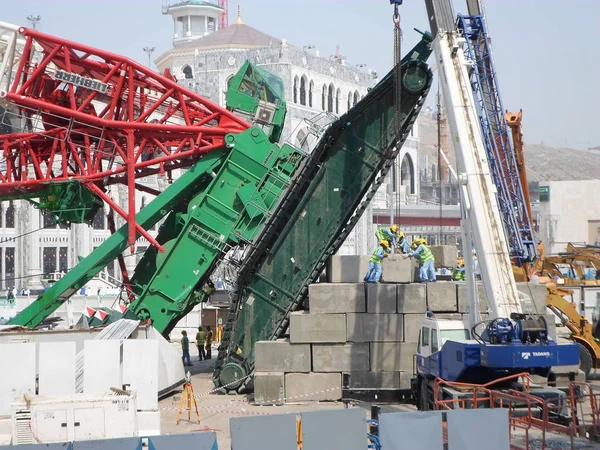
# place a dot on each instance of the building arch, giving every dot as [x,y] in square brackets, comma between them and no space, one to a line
[330,97]
[227,85]
[295,94]
[356,97]
[324,98]
[311,90]
[188,73]
[349,100]
[303,87]
[338,94]
[407,174]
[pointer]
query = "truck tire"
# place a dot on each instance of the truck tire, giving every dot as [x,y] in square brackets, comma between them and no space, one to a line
[424,397]
[586,363]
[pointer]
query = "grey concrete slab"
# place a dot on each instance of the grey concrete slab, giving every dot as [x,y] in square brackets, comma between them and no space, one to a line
[396,269]
[461,295]
[375,327]
[411,430]
[468,428]
[441,296]
[204,440]
[445,255]
[347,268]
[374,380]
[282,356]
[412,324]
[392,356]
[341,429]
[412,298]
[248,433]
[340,358]
[328,298]
[304,387]
[317,328]
[536,297]
[269,388]
[381,298]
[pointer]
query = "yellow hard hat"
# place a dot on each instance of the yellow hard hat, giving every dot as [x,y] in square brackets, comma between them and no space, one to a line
[384,243]
[394,228]
[401,235]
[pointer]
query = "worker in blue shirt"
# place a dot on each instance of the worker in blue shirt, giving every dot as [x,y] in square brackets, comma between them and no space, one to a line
[403,244]
[426,260]
[374,272]
[388,234]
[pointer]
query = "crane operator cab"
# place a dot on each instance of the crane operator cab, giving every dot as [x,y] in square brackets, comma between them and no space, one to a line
[435,332]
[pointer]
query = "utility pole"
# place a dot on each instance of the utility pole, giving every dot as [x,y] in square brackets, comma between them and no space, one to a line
[34,20]
[149,50]
[439,161]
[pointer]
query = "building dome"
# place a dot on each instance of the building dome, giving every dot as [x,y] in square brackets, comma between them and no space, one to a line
[238,35]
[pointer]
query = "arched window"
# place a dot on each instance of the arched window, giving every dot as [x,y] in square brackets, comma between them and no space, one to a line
[349,100]
[303,83]
[295,89]
[338,94]
[227,85]
[311,89]
[9,219]
[407,174]
[187,72]
[356,97]
[324,98]
[330,97]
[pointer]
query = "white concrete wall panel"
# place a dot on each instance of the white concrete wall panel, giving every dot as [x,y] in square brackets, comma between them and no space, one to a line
[57,368]
[18,374]
[140,371]
[101,366]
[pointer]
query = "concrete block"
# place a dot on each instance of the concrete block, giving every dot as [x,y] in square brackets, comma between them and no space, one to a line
[441,296]
[392,356]
[405,378]
[412,324]
[381,298]
[347,268]
[268,388]
[340,358]
[445,255]
[375,327]
[412,298]
[536,297]
[317,328]
[375,380]
[396,269]
[328,298]
[282,356]
[303,387]
[461,295]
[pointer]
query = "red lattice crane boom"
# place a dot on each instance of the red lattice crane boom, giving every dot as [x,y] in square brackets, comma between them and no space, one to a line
[73,113]
[224,18]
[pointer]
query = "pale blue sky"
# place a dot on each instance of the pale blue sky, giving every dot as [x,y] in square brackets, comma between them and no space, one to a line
[546,51]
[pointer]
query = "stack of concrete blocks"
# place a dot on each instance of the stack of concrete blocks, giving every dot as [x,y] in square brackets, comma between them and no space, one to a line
[369,331]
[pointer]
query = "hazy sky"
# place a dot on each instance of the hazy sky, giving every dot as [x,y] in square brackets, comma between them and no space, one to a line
[546,51]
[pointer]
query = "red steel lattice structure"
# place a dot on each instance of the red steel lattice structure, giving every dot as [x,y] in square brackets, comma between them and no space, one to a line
[224,18]
[98,118]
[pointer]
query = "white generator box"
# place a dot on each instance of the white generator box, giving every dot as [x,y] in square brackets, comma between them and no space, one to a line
[78,417]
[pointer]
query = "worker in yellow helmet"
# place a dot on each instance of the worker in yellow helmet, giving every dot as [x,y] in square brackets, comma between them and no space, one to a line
[388,234]
[426,261]
[403,244]
[374,273]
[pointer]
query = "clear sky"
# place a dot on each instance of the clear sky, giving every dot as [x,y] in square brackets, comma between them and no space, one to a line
[546,51]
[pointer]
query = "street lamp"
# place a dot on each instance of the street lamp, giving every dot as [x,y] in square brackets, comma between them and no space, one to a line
[34,20]
[149,50]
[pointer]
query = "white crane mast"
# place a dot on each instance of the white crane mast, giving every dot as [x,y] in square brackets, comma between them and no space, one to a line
[481,213]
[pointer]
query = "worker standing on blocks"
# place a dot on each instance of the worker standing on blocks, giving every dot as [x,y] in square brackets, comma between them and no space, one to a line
[388,234]
[403,244]
[426,260]
[374,272]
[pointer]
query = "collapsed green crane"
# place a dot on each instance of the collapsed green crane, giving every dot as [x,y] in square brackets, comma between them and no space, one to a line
[224,200]
[327,199]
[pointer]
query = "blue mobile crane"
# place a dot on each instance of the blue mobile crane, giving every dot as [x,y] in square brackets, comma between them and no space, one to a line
[509,341]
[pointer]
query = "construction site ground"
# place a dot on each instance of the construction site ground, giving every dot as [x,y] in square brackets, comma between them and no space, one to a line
[216,409]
